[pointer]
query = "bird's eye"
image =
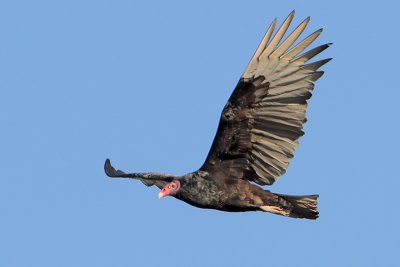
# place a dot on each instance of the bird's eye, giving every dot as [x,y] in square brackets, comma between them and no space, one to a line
[170,187]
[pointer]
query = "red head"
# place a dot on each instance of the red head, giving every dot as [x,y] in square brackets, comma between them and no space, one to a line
[170,189]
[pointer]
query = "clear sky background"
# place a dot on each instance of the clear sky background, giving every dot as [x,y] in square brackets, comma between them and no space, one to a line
[143,83]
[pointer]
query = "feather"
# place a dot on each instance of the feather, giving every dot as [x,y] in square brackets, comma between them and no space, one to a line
[260,48]
[277,37]
[310,54]
[302,45]
[291,39]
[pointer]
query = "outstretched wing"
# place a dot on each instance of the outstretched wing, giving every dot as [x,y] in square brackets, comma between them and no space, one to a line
[149,178]
[263,119]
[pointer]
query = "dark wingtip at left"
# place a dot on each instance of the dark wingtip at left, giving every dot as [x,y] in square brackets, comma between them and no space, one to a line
[110,170]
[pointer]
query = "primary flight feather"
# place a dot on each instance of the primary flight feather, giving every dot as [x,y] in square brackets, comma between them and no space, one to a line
[257,134]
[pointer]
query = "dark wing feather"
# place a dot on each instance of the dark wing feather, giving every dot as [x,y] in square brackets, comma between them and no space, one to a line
[263,119]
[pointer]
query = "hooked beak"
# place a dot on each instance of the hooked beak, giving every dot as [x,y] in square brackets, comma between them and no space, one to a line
[160,195]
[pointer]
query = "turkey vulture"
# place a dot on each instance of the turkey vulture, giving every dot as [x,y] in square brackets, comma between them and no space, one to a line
[257,134]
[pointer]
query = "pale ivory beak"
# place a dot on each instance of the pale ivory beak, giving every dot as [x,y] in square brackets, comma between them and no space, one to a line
[160,195]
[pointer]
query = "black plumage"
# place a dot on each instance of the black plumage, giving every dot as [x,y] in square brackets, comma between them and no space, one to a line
[257,134]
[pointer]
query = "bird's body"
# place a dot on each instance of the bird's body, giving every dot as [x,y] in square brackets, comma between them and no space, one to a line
[258,132]
[221,191]
[203,191]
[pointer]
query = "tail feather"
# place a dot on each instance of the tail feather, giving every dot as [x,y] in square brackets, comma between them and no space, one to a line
[303,206]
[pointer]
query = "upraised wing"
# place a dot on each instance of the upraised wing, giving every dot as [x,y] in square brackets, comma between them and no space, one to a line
[263,119]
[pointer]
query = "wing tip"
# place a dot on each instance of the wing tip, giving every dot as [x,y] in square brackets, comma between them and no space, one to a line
[107,167]
[306,20]
[110,170]
[328,60]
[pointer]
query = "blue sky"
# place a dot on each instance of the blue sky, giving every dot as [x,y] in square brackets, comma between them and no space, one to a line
[143,83]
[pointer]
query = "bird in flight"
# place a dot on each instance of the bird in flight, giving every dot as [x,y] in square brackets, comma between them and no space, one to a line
[257,134]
